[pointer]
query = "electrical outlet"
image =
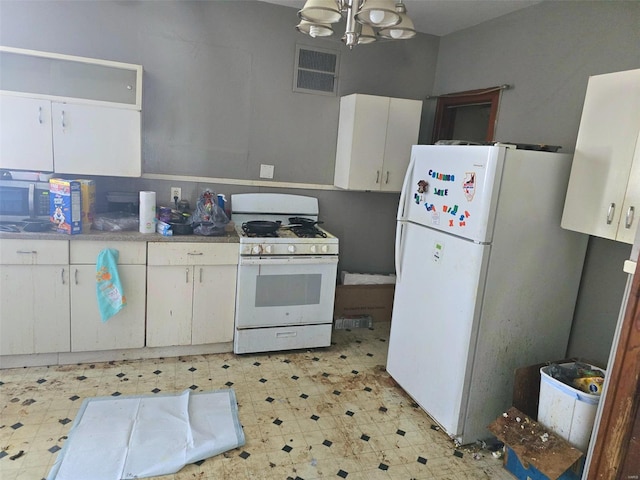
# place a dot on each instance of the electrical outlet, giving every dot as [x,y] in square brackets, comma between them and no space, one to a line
[176,194]
[266,171]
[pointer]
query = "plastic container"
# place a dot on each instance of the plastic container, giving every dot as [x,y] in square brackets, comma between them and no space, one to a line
[567,411]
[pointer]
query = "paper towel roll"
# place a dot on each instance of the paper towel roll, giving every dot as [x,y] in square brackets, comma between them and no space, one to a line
[147,210]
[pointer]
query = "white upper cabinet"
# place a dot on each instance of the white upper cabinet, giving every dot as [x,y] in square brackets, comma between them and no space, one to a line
[603,196]
[96,140]
[66,77]
[26,140]
[375,135]
[70,115]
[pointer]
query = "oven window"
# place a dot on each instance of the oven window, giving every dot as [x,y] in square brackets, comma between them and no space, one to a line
[285,290]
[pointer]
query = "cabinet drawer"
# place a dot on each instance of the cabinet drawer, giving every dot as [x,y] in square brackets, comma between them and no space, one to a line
[34,252]
[193,253]
[129,253]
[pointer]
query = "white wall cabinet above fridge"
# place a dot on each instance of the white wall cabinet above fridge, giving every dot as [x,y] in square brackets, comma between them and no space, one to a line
[375,135]
[69,114]
[603,196]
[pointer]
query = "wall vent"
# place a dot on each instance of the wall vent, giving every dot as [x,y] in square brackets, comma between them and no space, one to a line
[316,71]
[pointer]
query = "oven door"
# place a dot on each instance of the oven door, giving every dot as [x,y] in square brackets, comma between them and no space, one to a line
[277,291]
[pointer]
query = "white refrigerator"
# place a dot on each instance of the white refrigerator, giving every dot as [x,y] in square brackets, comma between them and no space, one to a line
[486,278]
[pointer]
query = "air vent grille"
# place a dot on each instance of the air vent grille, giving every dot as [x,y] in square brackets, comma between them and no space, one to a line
[316,71]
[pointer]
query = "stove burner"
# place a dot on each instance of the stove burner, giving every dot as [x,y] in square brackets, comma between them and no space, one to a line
[308,232]
[252,233]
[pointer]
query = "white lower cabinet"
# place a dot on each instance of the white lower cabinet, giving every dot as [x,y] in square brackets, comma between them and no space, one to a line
[190,293]
[34,296]
[126,329]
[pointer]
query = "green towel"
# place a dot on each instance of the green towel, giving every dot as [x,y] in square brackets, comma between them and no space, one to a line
[109,291]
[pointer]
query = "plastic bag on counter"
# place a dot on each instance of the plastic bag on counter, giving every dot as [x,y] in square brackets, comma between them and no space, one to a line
[116,222]
[208,218]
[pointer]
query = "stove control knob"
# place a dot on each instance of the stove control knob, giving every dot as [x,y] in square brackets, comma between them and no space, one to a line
[314,249]
[324,248]
[256,250]
[291,249]
[268,249]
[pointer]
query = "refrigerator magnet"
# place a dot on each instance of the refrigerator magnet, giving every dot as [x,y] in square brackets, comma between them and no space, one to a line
[469,185]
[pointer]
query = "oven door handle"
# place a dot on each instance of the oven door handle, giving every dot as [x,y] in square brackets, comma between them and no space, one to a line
[302,260]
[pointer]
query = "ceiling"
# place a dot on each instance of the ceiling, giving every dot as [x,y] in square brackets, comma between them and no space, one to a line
[441,17]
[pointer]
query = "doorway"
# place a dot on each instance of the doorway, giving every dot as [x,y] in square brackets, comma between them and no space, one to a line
[469,115]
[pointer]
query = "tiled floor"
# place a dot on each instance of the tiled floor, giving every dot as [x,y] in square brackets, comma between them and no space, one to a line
[323,413]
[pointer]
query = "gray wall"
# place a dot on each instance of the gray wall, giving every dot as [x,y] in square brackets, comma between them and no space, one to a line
[218,98]
[218,102]
[547,53]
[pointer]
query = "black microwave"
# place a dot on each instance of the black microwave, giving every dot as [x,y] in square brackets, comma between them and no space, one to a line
[23,200]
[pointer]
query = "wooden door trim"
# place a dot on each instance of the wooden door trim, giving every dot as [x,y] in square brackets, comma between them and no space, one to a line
[443,123]
[621,403]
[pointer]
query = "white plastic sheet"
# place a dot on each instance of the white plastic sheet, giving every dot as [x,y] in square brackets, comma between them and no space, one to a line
[144,436]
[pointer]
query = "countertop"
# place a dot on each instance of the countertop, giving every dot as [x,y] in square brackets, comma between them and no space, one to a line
[130,236]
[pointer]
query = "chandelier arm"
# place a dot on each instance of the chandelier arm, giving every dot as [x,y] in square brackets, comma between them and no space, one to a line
[351,34]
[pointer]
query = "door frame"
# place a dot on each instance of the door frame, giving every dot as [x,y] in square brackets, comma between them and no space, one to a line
[621,408]
[444,121]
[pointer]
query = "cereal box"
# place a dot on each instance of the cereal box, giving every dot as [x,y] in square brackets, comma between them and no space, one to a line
[65,200]
[88,190]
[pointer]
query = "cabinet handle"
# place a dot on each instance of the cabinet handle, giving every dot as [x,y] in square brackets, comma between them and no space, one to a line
[194,253]
[629,218]
[62,275]
[26,252]
[62,119]
[200,274]
[75,276]
[40,115]
[610,212]
[387,177]
[377,176]
[186,275]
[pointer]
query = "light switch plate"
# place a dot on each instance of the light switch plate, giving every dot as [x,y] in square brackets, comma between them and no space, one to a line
[266,171]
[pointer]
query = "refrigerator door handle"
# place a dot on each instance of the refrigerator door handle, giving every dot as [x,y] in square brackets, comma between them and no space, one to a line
[398,255]
[405,184]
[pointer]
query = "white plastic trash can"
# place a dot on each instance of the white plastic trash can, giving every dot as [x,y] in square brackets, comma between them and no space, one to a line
[567,411]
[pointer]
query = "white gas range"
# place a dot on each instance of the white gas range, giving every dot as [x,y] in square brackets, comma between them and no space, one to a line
[286,275]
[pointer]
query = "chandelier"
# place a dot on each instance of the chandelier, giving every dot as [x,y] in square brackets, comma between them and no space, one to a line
[366,20]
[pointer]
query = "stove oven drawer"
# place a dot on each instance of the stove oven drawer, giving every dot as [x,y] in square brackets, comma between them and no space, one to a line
[281,338]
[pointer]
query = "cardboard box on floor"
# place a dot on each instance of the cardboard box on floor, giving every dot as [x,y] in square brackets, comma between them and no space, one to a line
[374,300]
[533,452]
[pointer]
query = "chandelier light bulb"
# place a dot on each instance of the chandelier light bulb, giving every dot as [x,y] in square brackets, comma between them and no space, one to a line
[314,30]
[376,16]
[395,33]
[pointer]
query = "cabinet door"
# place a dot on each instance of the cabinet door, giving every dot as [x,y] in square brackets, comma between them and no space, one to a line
[34,301]
[96,140]
[25,136]
[604,153]
[402,132]
[213,304]
[169,305]
[629,214]
[123,330]
[362,133]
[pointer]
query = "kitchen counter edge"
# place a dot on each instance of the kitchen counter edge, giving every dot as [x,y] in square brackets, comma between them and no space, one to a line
[97,235]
